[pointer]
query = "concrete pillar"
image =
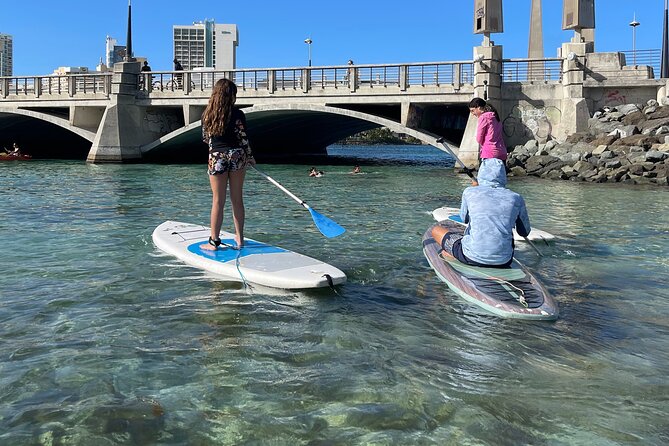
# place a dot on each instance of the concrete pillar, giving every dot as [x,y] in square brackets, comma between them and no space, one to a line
[404,77]
[535,49]
[88,118]
[193,113]
[575,112]
[271,81]
[411,115]
[120,134]
[487,85]
[353,79]
[306,80]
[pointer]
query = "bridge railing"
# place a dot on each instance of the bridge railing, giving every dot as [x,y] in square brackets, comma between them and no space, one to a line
[651,58]
[66,84]
[348,77]
[532,70]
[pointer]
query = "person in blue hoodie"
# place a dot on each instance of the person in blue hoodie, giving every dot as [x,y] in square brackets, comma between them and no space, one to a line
[491,211]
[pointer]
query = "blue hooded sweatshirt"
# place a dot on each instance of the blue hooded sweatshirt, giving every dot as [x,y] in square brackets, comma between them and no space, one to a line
[491,212]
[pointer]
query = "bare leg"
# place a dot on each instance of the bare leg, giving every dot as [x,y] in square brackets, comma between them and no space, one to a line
[219,184]
[438,233]
[237,199]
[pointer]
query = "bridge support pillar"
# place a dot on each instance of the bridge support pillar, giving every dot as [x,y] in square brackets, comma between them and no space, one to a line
[120,134]
[193,113]
[575,112]
[488,86]
[410,115]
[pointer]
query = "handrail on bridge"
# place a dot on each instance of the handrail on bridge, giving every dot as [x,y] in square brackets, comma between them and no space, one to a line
[56,84]
[324,78]
[532,70]
[342,77]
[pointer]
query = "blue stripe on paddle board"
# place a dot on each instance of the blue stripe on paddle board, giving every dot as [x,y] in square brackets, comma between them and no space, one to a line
[227,254]
[455,218]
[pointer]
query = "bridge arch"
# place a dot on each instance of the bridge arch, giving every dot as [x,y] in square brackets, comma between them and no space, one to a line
[294,128]
[35,132]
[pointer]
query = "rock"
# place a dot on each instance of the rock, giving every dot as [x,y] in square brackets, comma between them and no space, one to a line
[652,103]
[662,130]
[570,157]
[518,171]
[582,166]
[649,110]
[596,127]
[550,145]
[625,131]
[553,174]
[604,140]
[628,108]
[653,124]
[600,149]
[637,140]
[531,146]
[616,116]
[635,169]
[613,164]
[606,155]
[579,136]
[661,112]
[634,118]
[600,177]
[597,114]
[617,174]
[655,156]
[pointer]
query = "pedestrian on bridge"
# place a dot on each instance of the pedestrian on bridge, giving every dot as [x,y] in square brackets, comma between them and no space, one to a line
[489,131]
[224,130]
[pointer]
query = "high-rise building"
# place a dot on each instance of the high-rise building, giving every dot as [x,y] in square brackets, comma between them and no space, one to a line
[113,52]
[6,55]
[206,44]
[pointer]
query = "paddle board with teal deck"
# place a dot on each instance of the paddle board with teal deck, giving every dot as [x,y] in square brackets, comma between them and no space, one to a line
[451,213]
[256,262]
[508,292]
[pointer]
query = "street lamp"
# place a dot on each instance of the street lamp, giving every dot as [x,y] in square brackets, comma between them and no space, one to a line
[308,41]
[634,24]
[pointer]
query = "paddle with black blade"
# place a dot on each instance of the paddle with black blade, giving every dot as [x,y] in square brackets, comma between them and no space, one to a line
[469,173]
[327,227]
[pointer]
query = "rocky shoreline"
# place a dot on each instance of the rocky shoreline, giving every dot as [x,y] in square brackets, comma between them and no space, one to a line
[624,144]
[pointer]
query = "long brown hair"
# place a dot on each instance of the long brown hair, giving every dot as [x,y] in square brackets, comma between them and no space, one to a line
[219,109]
[483,105]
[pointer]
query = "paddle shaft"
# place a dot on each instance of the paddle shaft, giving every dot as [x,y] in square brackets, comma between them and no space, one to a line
[467,170]
[277,184]
[469,173]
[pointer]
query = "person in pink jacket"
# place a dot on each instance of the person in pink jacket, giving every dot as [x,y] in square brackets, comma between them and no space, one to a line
[488,131]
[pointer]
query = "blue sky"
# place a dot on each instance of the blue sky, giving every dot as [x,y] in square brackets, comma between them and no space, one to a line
[271,33]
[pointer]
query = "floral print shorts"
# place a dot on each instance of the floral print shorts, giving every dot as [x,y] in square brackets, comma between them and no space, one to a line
[227,161]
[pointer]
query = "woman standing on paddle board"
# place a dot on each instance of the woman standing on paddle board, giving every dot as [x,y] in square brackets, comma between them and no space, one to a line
[224,130]
[488,131]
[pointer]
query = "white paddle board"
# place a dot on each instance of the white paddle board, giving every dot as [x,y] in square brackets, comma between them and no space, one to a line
[256,262]
[453,214]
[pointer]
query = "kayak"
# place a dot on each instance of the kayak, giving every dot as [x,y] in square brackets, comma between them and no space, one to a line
[12,157]
[507,292]
[256,262]
[453,214]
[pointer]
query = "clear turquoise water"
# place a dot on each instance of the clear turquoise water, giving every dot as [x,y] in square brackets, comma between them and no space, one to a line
[104,340]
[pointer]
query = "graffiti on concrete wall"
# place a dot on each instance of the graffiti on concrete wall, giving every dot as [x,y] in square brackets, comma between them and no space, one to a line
[529,122]
[611,97]
[162,123]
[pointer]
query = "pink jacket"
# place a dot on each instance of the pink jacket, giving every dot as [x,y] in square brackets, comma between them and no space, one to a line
[489,136]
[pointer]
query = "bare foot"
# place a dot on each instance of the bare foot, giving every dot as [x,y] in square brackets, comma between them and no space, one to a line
[208,247]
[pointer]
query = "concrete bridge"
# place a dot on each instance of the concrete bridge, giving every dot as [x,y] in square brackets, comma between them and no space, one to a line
[129,116]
